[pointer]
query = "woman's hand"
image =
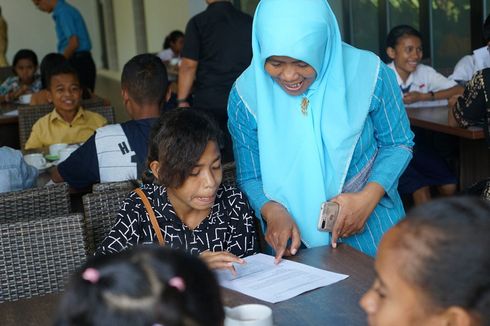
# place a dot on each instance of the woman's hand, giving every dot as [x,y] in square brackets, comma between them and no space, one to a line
[221,260]
[355,209]
[280,228]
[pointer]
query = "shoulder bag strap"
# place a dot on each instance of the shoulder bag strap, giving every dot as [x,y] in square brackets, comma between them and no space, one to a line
[151,214]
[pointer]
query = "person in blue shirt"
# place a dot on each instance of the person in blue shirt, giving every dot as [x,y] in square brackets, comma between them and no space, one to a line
[314,119]
[118,152]
[15,173]
[73,40]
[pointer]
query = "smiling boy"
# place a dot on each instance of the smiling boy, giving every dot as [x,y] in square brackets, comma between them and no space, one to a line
[68,122]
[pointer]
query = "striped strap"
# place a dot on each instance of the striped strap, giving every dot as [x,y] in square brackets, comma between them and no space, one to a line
[151,214]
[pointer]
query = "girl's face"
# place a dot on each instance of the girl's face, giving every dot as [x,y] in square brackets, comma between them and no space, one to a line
[294,76]
[177,45]
[25,70]
[198,191]
[406,55]
[392,300]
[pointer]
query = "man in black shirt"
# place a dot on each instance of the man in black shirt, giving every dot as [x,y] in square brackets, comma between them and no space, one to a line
[217,49]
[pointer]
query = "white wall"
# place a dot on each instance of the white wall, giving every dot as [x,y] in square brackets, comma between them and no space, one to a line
[33,29]
[125,35]
[162,18]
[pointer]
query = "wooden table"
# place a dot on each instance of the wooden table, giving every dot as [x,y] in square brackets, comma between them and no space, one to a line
[474,153]
[9,126]
[336,304]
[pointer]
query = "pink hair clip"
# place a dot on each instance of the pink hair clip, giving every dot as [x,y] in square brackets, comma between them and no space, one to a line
[91,275]
[177,282]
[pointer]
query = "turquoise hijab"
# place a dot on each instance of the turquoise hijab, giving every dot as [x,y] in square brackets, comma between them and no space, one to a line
[304,158]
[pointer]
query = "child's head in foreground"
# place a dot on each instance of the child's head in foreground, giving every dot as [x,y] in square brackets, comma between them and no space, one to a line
[143,286]
[433,267]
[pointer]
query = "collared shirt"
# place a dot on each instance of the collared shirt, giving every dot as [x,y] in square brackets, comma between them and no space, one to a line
[53,129]
[228,227]
[15,173]
[12,83]
[468,65]
[424,79]
[69,22]
[220,39]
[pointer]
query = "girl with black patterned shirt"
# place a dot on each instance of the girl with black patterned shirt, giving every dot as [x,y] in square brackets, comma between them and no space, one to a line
[194,211]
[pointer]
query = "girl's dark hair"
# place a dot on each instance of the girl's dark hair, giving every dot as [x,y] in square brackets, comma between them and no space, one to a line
[171,38]
[177,142]
[399,31]
[25,54]
[48,63]
[447,244]
[142,286]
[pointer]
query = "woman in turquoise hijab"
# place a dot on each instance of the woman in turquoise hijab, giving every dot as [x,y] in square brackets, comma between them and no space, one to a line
[314,119]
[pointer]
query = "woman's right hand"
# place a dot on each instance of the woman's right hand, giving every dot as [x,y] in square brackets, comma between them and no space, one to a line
[280,228]
[221,260]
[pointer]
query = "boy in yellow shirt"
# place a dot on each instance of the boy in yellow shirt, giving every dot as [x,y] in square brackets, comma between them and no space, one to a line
[68,122]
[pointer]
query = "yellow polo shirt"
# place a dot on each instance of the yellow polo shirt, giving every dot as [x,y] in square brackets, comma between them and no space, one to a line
[52,129]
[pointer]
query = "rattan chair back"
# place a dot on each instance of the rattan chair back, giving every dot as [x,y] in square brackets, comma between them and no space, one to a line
[100,214]
[28,115]
[37,255]
[37,202]
[116,186]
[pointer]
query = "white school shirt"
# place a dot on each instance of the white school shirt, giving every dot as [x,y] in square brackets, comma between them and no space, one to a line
[468,65]
[424,79]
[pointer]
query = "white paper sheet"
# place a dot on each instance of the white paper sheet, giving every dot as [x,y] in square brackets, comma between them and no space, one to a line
[264,280]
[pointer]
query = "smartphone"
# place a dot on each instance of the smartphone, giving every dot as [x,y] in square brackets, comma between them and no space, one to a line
[328,215]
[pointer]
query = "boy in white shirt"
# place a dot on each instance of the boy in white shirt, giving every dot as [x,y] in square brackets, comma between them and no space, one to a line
[468,65]
[421,85]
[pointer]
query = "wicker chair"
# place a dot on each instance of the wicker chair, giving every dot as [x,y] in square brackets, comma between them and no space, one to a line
[116,186]
[37,255]
[229,174]
[39,202]
[100,214]
[28,115]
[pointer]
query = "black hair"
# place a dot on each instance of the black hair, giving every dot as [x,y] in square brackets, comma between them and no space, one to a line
[486,29]
[145,79]
[62,69]
[142,286]
[177,142]
[50,61]
[25,54]
[171,38]
[398,32]
[447,245]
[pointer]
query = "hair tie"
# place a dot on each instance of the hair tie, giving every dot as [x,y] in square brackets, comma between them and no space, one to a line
[177,282]
[91,275]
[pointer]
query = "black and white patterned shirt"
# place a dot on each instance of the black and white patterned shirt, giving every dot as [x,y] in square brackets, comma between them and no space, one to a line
[228,227]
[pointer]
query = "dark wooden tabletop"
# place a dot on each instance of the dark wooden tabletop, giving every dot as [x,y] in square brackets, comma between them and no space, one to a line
[336,304]
[435,118]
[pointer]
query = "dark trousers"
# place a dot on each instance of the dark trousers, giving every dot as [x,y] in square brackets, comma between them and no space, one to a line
[83,63]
